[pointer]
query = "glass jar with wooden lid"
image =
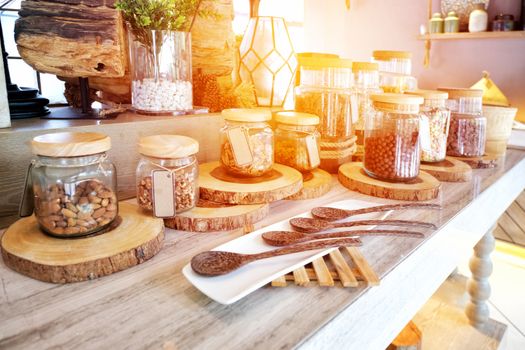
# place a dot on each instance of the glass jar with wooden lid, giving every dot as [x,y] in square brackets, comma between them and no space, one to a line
[467,133]
[297,140]
[399,62]
[392,137]
[74,184]
[167,174]
[246,142]
[434,124]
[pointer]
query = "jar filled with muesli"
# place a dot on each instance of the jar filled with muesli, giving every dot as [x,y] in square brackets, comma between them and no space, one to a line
[167,174]
[297,140]
[74,185]
[246,142]
[392,137]
[434,124]
[467,133]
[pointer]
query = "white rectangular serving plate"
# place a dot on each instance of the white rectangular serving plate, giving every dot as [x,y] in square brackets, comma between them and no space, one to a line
[229,288]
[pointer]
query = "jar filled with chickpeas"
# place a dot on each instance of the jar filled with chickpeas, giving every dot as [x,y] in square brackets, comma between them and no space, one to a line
[392,137]
[246,142]
[434,124]
[297,140]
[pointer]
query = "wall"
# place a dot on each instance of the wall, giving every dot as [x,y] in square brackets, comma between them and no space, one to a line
[394,25]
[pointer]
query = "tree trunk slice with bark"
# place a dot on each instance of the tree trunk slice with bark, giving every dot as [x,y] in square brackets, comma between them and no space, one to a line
[28,251]
[218,217]
[449,170]
[487,161]
[216,190]
[319,184]
[424,187]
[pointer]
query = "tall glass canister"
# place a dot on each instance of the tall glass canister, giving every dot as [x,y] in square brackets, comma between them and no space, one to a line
[160,63]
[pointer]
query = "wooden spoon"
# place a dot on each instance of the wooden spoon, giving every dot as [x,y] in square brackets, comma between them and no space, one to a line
[309,225]
[214,263]
[282,238]
[332,214]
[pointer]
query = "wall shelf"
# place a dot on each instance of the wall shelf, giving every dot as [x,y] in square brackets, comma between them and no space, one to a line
[518,34]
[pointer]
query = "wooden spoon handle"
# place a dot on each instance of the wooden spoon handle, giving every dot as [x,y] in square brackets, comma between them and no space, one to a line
[388,207]
[398,233]
[302,247]
[385,223]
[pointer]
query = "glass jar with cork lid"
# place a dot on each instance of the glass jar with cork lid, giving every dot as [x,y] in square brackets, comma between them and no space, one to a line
[73,184]
[434,125]
[395,69]
[247,142]
[392,138]
[467,132]
[297,140]
[167,174]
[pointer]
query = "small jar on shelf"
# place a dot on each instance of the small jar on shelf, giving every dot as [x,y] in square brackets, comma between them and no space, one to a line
[167,174]
[297,140]
[392,138]
[434,124]
[467,132]
[435,24]
[247,142]
[73,183]
[451,23]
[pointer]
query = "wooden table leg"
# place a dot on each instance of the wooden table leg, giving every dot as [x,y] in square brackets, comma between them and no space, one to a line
[478,285]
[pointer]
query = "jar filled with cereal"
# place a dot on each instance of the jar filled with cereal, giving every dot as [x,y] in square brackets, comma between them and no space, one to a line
[467,133]
[434,124]
[74,185]
[167,174]
[246,142]
[297,140]
[392,137]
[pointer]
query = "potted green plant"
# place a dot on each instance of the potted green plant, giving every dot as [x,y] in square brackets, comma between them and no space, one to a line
[160,53]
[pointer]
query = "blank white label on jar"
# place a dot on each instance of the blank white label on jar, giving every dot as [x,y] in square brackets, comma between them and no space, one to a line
[354,108]
[239,140]
[163,193]
[424,134]
[313,151]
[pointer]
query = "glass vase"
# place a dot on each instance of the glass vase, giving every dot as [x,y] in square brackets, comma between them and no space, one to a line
[160,64]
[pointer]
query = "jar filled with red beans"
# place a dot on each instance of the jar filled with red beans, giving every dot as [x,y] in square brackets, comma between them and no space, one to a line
[392,137]
[467,133]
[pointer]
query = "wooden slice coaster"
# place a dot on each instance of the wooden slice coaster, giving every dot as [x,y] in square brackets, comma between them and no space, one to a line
[317,184]
[487,161]
[424,187]
[246,191]
[449,170]
[28,251]
[211,216]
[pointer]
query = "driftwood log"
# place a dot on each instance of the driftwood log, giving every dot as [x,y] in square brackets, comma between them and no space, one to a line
[87,38]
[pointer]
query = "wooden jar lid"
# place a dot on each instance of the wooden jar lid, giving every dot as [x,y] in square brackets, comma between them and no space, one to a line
[251,115]
[454,93]
[325,62]
[168,146]
[398,103]
[296,118]
[70,144]
[385,55]
[429,94]
[367,66]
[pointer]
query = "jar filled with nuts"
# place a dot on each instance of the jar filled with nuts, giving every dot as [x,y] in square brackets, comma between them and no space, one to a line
[297,140]
[246,142]
[434,124]
[392,138]
[73,183]
[167,174]
[467,134]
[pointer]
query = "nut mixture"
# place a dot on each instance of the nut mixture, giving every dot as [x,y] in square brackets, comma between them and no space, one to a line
[261,145]
[392,156]
[293,153]
[438,120]
[89,208]
[466,137]
[333,109]
[185,191]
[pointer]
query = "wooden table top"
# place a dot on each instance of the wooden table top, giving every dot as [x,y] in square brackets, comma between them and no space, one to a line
[153,306]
